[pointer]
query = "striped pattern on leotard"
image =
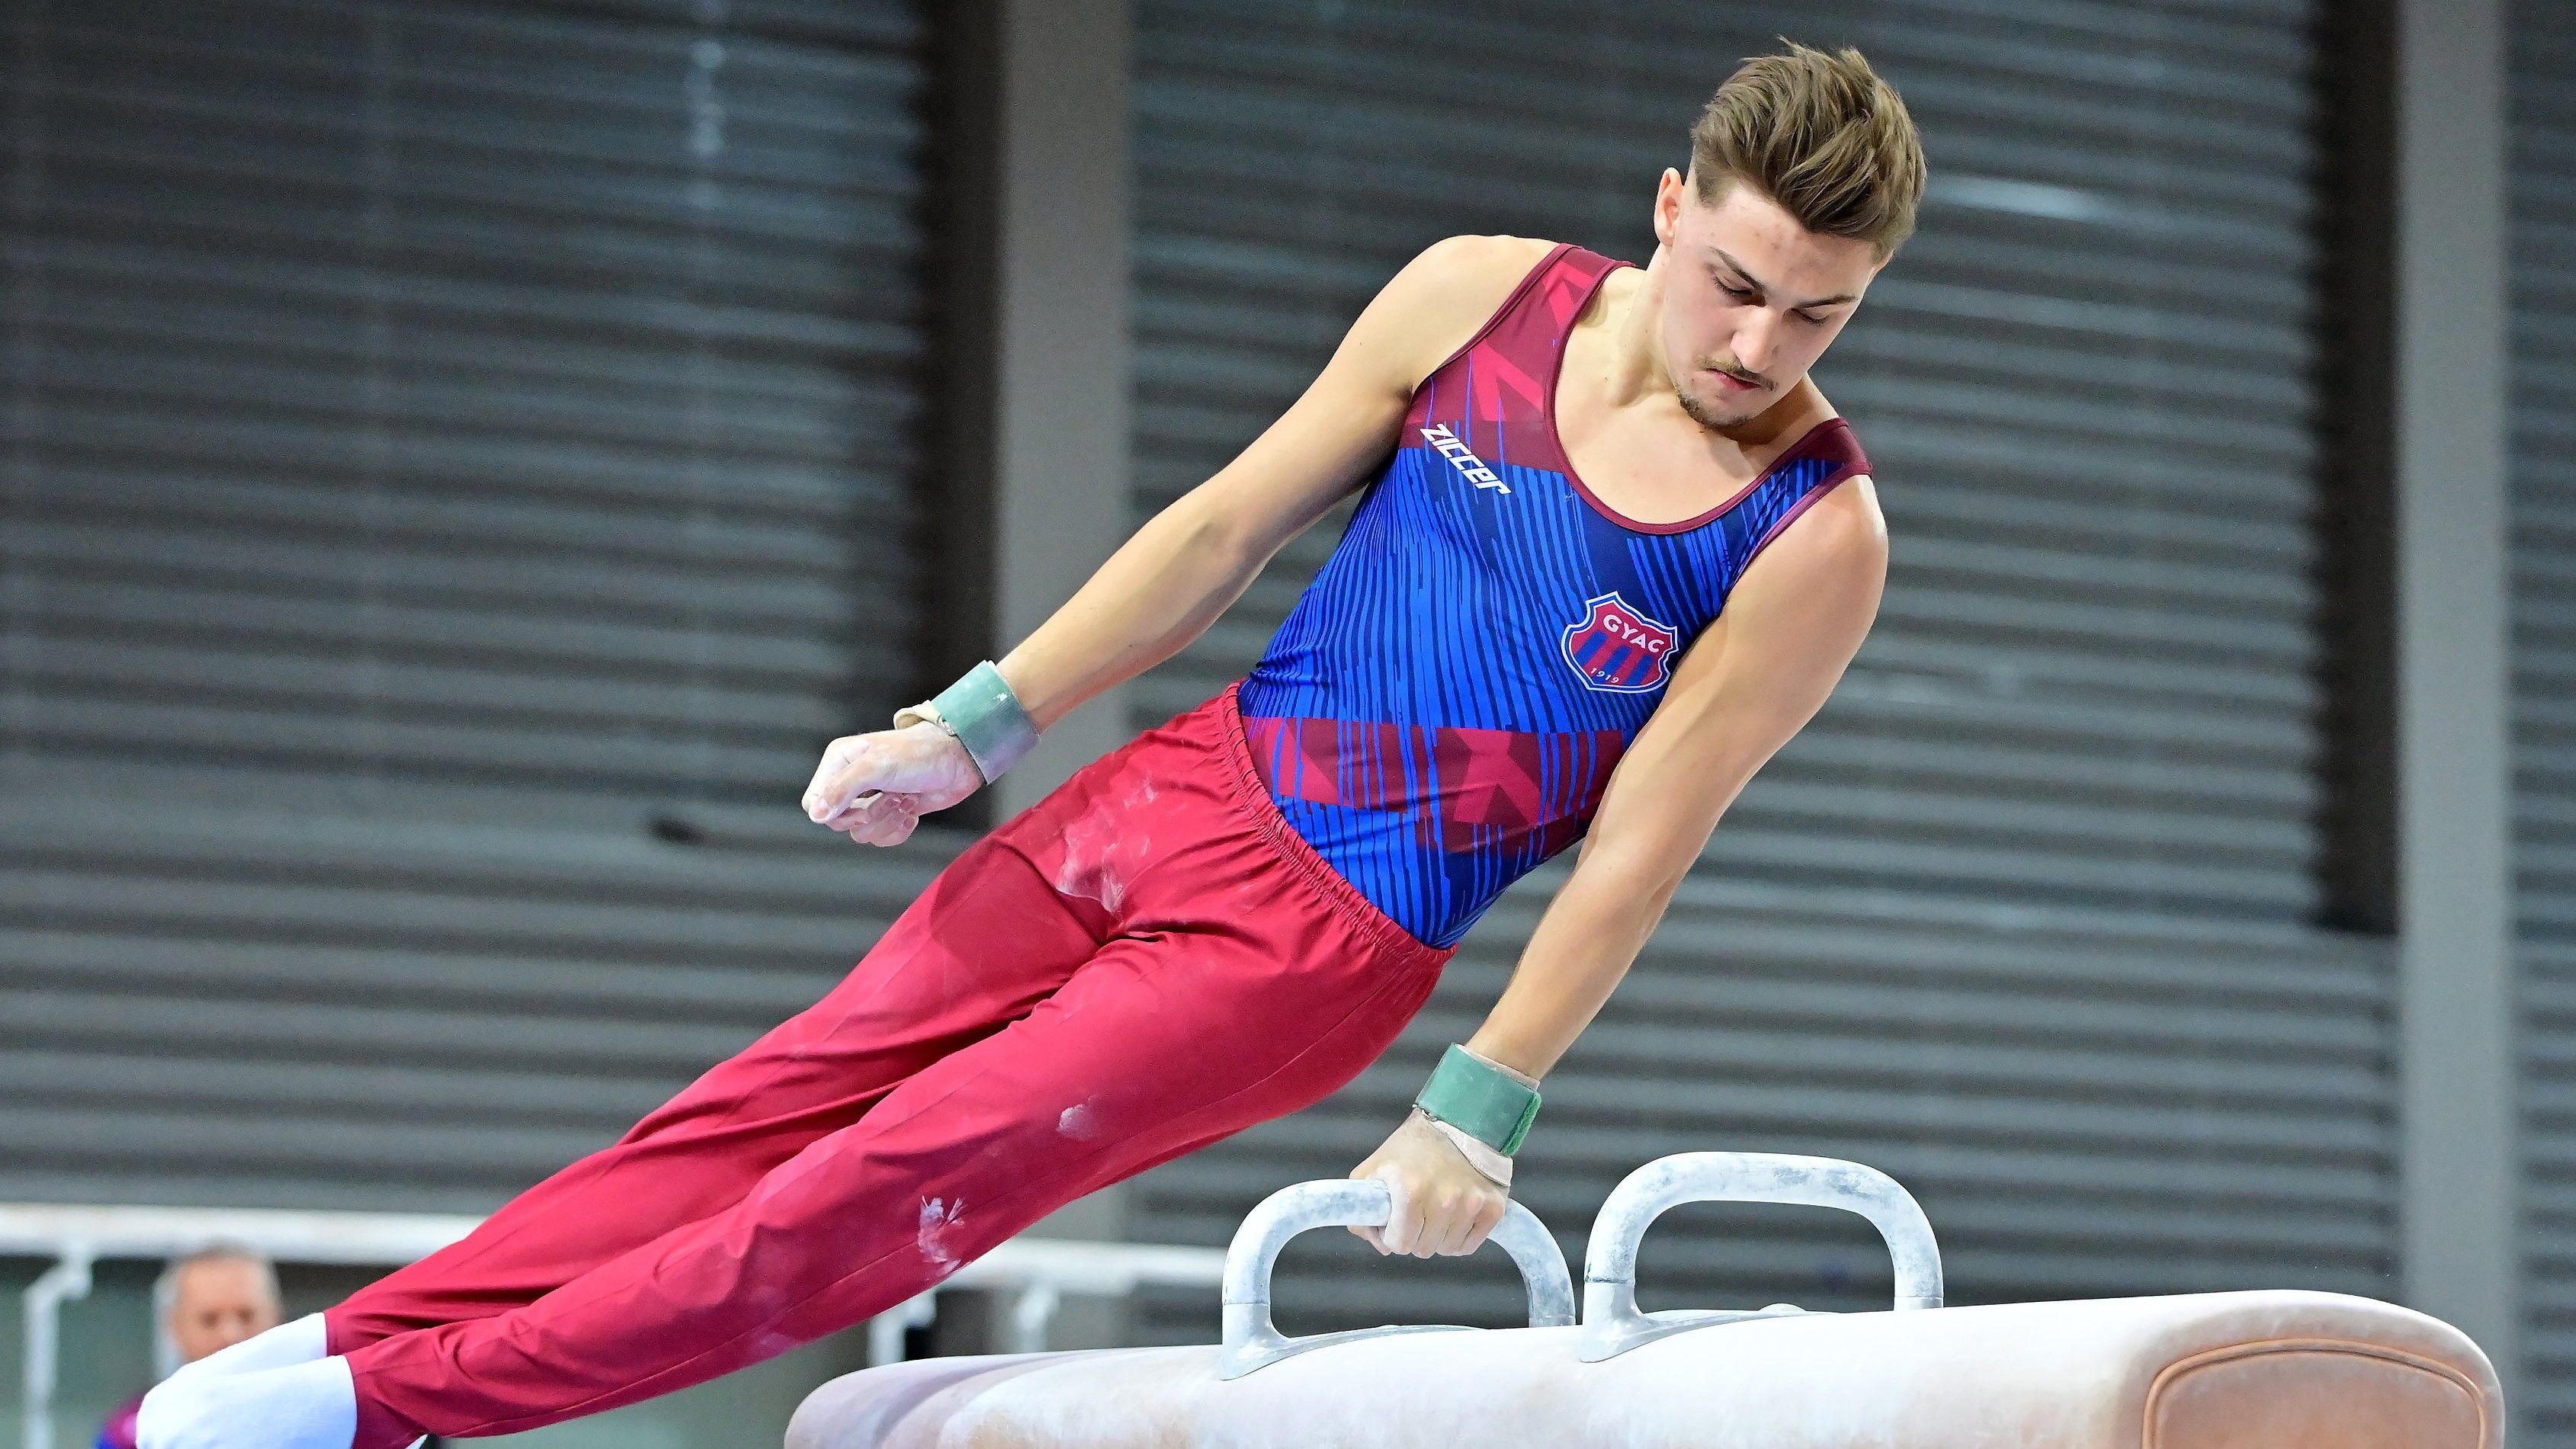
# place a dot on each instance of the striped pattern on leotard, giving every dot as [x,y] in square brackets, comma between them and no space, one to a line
[1442,710]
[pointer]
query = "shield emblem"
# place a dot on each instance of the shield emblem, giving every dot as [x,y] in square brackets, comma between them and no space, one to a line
[1618,649]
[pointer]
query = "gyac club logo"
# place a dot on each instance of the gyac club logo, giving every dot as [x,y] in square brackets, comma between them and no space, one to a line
[1618,649]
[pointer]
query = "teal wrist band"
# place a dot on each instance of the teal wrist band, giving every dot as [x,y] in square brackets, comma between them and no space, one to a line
[1479,1100]
[988,719]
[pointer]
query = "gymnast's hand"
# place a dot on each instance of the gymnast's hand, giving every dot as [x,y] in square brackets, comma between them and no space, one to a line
[1442,1204]
[875,787]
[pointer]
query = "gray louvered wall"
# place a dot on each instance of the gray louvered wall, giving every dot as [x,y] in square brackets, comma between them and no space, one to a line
[460,467]
[2024,915]
[2543,201]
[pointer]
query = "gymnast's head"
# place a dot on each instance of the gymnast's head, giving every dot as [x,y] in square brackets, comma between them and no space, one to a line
[1804,177]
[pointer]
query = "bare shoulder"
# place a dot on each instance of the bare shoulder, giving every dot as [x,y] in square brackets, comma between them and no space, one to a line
[1447,293]
[1467,267]
[1842,537]
[1848,522]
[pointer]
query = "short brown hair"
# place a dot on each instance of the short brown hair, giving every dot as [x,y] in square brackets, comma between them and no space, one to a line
[1821,135]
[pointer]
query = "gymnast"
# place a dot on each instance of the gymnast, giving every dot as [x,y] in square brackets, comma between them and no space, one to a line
[1542,625]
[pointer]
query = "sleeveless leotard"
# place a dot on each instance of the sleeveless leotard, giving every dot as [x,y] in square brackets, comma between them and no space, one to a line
[1441,712]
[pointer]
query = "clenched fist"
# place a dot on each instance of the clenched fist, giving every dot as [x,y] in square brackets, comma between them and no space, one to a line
[875,788]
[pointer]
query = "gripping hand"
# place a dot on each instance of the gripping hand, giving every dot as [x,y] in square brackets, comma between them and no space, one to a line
[1443,1205]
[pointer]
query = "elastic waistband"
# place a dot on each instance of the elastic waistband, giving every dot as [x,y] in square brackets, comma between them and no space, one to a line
[1253,798]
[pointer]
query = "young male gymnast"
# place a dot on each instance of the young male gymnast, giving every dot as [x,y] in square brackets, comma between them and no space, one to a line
[1544,624]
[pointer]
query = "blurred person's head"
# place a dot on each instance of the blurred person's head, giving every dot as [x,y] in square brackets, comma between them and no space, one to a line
[215,1298]
[1804,177]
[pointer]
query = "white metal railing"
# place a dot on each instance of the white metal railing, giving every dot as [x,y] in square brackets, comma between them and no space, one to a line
[1036,1271]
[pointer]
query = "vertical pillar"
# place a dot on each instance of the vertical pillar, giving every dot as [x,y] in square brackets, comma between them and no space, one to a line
[2459,1172]
[1033,482]
[1035,251]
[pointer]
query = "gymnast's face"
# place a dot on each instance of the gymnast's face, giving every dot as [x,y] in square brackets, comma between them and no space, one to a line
[1749,298]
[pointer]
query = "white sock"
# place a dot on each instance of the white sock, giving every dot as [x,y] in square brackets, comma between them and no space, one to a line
[300,1406]
[301,1341]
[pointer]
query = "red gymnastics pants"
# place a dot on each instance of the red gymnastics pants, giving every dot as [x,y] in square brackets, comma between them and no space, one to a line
[1145,961]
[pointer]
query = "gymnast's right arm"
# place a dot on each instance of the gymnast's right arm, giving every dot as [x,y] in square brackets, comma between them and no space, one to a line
[1170,581]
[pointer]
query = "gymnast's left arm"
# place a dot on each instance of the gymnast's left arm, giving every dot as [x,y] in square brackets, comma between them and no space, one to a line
[1750,682]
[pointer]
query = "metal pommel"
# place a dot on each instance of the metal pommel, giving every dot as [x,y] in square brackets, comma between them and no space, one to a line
[1251,1340]
[1612,1323]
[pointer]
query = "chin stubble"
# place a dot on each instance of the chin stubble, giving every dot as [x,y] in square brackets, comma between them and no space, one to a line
[1699,413]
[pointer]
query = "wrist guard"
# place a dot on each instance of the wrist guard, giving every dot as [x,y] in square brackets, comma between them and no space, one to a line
[984,715]
[1486,1100]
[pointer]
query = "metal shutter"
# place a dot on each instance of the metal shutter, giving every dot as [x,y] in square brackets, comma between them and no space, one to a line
[2543,200]
[2024,917]
[459,473]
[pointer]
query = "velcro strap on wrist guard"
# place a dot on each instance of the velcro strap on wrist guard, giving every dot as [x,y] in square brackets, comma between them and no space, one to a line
[1480,1099]
[986,717]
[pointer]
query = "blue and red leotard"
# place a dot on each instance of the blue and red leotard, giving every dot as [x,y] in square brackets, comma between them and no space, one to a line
[1441,711]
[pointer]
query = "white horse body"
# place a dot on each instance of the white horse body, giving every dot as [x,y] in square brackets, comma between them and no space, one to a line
[2250,1370]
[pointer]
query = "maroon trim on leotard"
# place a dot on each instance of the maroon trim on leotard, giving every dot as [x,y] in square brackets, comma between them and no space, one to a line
[1514,365]
[1849,462]
[1501,312]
